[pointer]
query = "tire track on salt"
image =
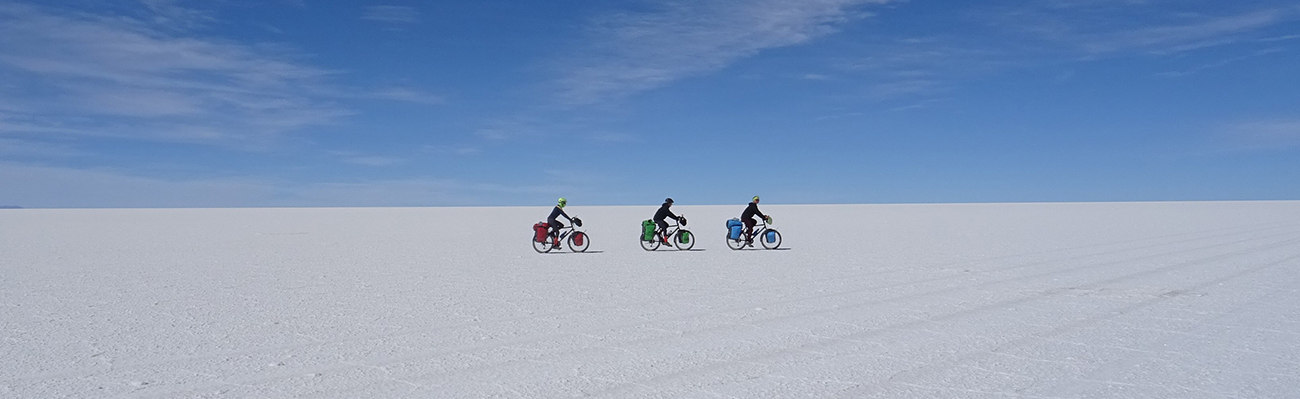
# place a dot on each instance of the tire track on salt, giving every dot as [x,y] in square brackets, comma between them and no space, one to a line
[854,337]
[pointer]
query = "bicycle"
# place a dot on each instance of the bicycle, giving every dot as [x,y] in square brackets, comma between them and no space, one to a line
[681,238]
[767,236]
[578,240]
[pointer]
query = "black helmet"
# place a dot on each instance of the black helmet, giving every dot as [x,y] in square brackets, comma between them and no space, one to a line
[668,200]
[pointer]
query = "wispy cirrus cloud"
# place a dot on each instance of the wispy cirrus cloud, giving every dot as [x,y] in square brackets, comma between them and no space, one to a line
[513,128]
[1221,63]
[444,150]
[168,13]
[1190,34]
[916,70]
[1094,28]
[62,187]
[393,16]
[641,50]
[356,158]
[407,94]
[25,148]
[1273,134]
[1033,34]
[118,76]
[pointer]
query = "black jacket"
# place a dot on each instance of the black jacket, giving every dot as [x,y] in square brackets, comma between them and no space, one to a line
[664,213]
[751,211]
[557,212]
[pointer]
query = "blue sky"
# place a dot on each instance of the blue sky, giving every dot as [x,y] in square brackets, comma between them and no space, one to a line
[159,103]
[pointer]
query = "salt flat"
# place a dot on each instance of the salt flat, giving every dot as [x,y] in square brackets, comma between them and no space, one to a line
[1177,300]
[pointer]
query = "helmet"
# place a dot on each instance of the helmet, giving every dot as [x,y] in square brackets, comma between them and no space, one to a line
[562,202]
[755,198]
[668,200]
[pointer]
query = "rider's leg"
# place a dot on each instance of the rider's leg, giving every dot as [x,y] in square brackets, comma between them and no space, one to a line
[556,225]
[663,229]
[749,229]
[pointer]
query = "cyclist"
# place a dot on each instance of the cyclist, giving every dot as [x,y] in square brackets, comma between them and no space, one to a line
[662,214]
[748,219]
[554,221]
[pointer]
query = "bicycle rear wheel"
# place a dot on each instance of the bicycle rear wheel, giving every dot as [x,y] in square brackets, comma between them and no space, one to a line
[651,245]
[541,246]
[735,244]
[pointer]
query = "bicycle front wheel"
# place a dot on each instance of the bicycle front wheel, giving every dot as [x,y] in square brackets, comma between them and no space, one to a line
[773,235]
[684,240]
[541,246]
[573,239]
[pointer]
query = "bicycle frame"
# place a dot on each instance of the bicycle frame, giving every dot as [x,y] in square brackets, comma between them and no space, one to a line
[759,229]
[565,231]
[670,231]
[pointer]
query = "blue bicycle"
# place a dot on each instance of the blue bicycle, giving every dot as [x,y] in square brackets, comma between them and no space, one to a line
[765,234]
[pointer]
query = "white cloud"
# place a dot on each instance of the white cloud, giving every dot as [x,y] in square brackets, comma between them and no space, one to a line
[366,160]
[917,69]
[505,129]
[374,161]
[1096,28]
[1181,37]
[20,148]
[168,13]
[1220,63]
[58,187]
[637,51]
[451,150]
[615,137]
[1277,134]
[1036,34]
[391,15]
[1279,38]
[41,186]
[407,94]
[129,78]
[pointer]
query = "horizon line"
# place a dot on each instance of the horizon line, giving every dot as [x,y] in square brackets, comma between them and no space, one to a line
[17,208]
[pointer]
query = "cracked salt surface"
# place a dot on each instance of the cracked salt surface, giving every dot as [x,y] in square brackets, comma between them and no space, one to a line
[971,300]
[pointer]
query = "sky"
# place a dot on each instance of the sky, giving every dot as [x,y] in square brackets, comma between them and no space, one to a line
[162,103]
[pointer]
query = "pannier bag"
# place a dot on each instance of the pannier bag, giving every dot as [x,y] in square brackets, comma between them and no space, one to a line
[734,227]
[686,237]
[540,231]
[648,230]
[771,236]
[577,238]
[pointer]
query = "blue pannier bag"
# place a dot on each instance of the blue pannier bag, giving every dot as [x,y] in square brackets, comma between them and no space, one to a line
[771,236]
[734,227]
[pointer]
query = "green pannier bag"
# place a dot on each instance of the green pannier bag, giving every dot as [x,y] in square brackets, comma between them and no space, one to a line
[686,237]
[648,230]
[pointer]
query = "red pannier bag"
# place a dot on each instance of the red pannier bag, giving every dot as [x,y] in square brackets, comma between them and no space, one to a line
[541,230]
